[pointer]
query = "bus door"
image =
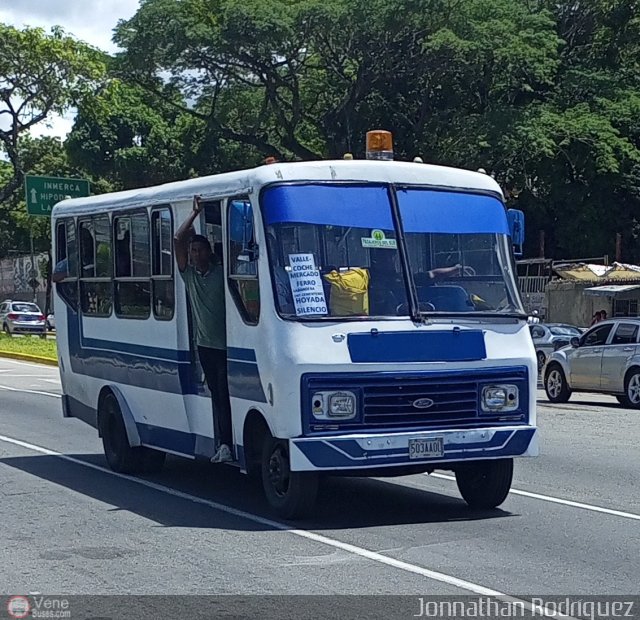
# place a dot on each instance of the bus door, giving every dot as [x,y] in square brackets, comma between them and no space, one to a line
[211,228]
[243,309]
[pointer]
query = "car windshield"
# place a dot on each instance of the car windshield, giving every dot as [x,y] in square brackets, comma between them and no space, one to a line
[335,252]
[565,330]
[25,307]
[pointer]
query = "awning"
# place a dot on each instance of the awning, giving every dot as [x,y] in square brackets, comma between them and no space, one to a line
[585,272]
[612,290]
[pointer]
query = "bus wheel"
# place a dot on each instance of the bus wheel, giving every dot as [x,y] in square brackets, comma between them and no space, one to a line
[121,457]
[485,484]
[292,494]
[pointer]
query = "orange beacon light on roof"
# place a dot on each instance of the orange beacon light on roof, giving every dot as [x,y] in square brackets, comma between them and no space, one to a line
[379,144]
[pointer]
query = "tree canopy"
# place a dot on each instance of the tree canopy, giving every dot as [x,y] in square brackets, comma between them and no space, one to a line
[544,95]
[40,74]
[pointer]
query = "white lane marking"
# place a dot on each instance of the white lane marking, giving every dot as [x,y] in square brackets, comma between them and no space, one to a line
[359,551]
[33,376]
[29,364]
[558,500]
[10,389]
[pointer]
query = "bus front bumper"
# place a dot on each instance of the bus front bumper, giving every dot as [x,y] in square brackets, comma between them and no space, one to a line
[433,449]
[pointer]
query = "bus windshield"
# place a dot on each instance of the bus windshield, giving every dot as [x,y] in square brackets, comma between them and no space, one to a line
[335,252]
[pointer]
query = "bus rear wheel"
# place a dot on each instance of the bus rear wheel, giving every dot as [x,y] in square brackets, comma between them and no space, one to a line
[485,484]
[291,494]
[121,457]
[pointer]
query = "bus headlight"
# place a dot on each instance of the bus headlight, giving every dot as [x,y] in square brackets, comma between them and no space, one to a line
[332,405]
[499,398]
[342,405]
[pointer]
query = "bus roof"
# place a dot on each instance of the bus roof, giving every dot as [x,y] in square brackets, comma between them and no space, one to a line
[246,181]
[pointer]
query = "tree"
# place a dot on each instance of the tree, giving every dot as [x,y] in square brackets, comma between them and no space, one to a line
[124,135]
[40,75]
[543,93]
[575,159]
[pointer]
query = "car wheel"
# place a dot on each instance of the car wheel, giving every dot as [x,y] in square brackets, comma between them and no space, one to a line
[555,385]
[541,359]
[6,330]
[632,389]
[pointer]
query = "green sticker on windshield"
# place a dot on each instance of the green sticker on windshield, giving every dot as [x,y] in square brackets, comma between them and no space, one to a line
[378,240]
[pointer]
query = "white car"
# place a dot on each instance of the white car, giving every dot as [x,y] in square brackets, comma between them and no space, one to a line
[51,321]
[605,359]
[21,317]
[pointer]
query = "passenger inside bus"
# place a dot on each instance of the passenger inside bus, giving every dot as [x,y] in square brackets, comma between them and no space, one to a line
[203,276]
[388,290]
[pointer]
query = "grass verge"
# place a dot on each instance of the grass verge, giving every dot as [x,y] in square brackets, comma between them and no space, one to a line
[29,346]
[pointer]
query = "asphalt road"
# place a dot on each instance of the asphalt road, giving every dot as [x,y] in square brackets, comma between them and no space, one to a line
[571,525]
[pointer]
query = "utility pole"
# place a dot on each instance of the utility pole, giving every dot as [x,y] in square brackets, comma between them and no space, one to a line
[32,276]
[618,247]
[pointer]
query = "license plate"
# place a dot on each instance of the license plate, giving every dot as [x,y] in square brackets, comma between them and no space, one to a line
[426,448]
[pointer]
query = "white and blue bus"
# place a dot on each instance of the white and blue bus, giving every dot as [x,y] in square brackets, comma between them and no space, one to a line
[374,326]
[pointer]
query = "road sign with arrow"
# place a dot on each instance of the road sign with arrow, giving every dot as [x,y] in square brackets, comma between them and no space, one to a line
[42,193]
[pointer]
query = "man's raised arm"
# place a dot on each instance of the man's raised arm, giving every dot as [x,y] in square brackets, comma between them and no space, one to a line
[184,233]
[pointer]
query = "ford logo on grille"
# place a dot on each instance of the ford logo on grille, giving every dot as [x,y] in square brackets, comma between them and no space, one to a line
[423,403]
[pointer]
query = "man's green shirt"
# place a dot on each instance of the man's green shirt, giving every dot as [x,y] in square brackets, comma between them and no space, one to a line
[206,294]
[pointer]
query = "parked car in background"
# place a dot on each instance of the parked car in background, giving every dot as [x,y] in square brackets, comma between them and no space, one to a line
[51,321]
[549,337]
[605,359]
[21,317]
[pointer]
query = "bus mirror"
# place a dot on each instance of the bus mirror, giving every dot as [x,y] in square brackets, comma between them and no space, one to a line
[516,229]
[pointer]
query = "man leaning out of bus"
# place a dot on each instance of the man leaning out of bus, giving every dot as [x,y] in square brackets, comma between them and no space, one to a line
[204,281]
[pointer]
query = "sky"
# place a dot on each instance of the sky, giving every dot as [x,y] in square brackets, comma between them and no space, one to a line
[92,21]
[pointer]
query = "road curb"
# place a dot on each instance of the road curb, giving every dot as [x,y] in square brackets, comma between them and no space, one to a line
[25,357]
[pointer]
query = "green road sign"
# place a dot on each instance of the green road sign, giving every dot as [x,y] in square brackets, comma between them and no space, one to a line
[43,192]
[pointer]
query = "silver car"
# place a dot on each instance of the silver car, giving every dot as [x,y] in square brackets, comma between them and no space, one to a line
[605,359]
[21,317]
[549,337]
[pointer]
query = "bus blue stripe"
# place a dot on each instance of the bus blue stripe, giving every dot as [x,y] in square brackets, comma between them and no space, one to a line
[244,381]
[245,355]
[178,355]
[153,367]
[329,453]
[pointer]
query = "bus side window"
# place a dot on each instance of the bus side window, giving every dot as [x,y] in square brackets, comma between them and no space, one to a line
[162,264]
[243,259]
[95,266]
[61,241]
[67,262]
[132,292]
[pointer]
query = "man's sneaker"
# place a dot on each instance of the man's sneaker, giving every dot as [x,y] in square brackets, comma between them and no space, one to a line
[222,455]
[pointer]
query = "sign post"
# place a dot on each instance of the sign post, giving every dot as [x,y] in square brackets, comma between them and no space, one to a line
[42,193]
